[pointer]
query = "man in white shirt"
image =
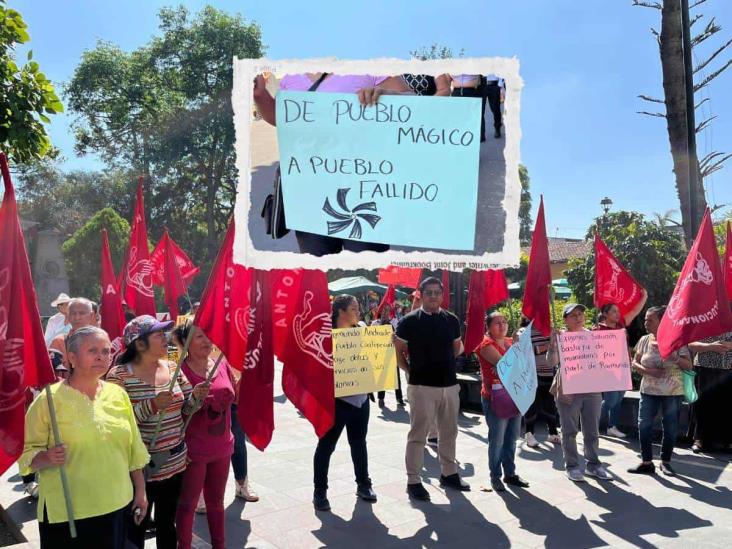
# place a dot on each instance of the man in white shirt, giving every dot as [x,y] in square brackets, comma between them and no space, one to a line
[58,323]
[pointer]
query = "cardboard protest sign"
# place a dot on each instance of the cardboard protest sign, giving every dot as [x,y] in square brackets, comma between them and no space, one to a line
[594,362]
[517,372]
[399,190]
[356,172]
[364,360]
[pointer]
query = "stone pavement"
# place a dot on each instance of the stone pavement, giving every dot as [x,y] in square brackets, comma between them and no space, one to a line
[691,510]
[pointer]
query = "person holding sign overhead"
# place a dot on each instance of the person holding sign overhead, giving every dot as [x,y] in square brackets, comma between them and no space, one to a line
[369,89]
[501,415]
[351,413]
[102,451]
[430,337]
[572,408]
[662,388]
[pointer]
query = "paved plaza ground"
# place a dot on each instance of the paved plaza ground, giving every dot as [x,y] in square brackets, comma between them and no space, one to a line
[691,510]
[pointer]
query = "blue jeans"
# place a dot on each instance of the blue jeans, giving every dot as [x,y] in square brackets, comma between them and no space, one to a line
[649,407]
[502,435]
[239,457]
[612,402]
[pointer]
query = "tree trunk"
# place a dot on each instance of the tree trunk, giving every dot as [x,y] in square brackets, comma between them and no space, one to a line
[672,64]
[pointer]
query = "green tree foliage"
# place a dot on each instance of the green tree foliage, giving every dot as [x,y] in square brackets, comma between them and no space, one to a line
[525,223]
[27,97]
[83,251]
[164,110]
[65,201]
[652,254]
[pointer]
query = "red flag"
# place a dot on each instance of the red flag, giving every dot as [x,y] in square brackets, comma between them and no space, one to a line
[136,274]
[307,374]
[256,392]
[157,261]
[496,287]
[24,359]
[113,316]
[174,285]
[224,307]
[727,263]
[538,278]
[445,289]
[475,318]
[388,299]
[613,284]
[698,307]
[285,285]
[400,276]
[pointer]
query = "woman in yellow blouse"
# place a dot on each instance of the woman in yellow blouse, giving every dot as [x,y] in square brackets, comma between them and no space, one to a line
[102,451]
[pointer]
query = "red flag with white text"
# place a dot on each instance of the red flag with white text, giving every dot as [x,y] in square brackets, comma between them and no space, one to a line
[538,278]
[699,307]
[175,288]
[307,373]
[24,358]
[136,274]
[614,284]
[256,391]
[113,316]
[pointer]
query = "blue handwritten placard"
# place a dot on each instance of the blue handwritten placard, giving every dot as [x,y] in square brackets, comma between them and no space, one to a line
[517,371]
[404,171]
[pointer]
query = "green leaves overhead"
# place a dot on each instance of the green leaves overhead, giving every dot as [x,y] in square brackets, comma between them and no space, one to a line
[26,95]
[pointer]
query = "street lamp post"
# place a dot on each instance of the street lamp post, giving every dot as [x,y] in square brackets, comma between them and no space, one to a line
[606,204]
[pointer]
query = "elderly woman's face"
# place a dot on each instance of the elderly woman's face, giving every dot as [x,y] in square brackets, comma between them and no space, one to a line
[200,345]
[498,327]
[93,356]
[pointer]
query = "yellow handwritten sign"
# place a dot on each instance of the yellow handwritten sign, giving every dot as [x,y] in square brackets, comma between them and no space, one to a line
[364,360]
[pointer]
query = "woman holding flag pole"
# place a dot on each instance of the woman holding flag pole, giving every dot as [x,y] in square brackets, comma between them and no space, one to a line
[101,442]
[160,395]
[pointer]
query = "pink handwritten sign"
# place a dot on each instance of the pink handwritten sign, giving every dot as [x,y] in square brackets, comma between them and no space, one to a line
[594,362]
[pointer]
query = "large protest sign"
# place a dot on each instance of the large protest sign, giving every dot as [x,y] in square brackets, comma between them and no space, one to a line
[356,172]
[412,199]
[364,360]
[594,362]
[517,371]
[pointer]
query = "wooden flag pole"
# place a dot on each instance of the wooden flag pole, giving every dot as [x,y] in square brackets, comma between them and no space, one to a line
[181,358]
[61,468]
[209,377]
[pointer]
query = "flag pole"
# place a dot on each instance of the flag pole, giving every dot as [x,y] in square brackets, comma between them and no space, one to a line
[209,377]
[181,358]
[61,468]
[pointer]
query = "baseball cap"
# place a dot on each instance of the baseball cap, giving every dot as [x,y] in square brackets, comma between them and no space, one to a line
[569,307]
[143,325]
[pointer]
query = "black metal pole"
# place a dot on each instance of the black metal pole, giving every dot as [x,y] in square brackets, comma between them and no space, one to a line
[690,119]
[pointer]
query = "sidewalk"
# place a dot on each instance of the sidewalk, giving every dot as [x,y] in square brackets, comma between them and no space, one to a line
[694,509]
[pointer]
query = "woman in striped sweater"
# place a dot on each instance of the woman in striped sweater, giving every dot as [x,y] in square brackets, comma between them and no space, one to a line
[145,373]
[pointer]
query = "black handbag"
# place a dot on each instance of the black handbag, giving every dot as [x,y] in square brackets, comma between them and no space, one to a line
[273,210]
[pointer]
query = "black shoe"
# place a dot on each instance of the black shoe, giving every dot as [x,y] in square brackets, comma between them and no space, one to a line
[417,491]
[666,469]
[400,403]
[497,133]
[454,481]
[381,403]
[320,500]
[643,469]
[497,485]
[432,442]
[515,480]
[366,493]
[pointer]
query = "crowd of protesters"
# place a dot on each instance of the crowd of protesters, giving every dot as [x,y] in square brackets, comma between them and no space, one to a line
[147,444]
